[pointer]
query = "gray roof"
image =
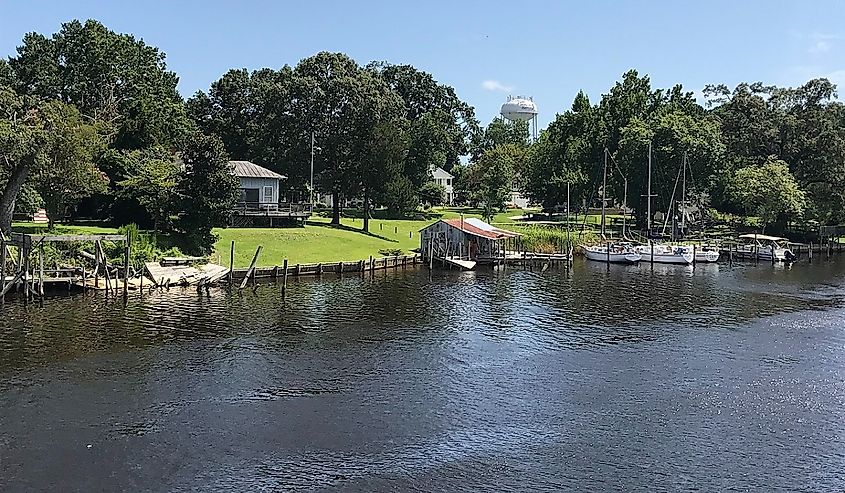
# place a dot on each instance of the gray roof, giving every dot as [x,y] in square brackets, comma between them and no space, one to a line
[246,169]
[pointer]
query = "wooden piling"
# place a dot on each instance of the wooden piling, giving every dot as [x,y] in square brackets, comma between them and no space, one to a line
[41,269]
[251,271]
[651,252]
[127,251]
[25,264]
[774,259]
[284,276]
[694,251]
[810,252]
[231,262]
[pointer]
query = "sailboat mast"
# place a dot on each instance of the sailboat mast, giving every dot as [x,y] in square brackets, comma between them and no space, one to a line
[648,219]
[604,193]
[684,197]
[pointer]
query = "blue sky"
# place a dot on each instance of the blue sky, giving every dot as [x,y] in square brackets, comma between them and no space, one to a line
[485,50]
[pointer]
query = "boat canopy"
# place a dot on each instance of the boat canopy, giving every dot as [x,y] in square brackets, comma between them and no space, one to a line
[762,237]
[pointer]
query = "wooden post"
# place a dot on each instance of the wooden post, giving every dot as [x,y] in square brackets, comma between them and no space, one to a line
[694,252]
[26,246]
[231,263]
[372,264]
[251,271]
[730,255]
[127,251]
[396,230]
[41,269]
[607,251]
[96,266]
[774,259]
[320,269]
[3,266]
[810,252]
[651,252]
[431,253]
[284,277]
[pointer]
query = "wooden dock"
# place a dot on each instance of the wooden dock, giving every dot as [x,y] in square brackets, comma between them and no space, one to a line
[316,269]
[461,263]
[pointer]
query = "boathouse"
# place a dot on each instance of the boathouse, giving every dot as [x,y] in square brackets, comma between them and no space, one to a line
[471,239]
[261,202]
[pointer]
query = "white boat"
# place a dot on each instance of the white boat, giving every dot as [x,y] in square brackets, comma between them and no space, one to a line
[665,254]
[706,254]
[619,254]
[763,247]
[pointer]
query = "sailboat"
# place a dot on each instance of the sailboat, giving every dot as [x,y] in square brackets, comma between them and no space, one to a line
[613,253]
[661,253]
[705,253]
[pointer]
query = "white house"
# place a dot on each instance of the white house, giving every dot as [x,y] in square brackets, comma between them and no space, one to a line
[443,177]
[259,186]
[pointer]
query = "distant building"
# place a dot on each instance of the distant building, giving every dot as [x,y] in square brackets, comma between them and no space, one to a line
[517,199]
[444,178]
[259,186]
[260,201]
[468,238]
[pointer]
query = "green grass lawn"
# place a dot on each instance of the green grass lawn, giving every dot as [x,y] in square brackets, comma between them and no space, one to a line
[317,242]
[32,228]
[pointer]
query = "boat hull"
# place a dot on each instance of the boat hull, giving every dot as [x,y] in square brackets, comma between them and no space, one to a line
[665,256]
[600,255]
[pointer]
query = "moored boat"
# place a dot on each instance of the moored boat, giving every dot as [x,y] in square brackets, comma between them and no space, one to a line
[618,254]
[665,254]
[765,248]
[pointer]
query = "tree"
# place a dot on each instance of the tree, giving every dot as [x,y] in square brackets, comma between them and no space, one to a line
[451,122]
[48,143]
[494,175]
[500,132]
[67,172]
[384,155]
[109,77]
[565,157]
[153,187]
[21,140]
[433,194]
[207,190]
[769,191]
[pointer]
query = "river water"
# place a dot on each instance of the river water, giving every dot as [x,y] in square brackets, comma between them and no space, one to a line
[600,379]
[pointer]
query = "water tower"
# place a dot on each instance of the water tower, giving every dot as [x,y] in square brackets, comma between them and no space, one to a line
[521,109]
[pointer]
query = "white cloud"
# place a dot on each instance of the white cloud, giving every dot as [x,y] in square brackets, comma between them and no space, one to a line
[819,47]
[494,85]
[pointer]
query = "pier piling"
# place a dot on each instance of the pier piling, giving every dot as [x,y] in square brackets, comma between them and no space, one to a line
[284,277]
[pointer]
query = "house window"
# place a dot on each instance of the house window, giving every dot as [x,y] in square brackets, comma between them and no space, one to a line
[448,182]
[268,195]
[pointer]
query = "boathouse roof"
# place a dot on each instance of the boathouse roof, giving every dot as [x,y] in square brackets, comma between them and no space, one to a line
[246,169]
[477,227]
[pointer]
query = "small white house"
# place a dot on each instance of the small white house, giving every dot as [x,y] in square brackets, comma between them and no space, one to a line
[259,186]
[444,178]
